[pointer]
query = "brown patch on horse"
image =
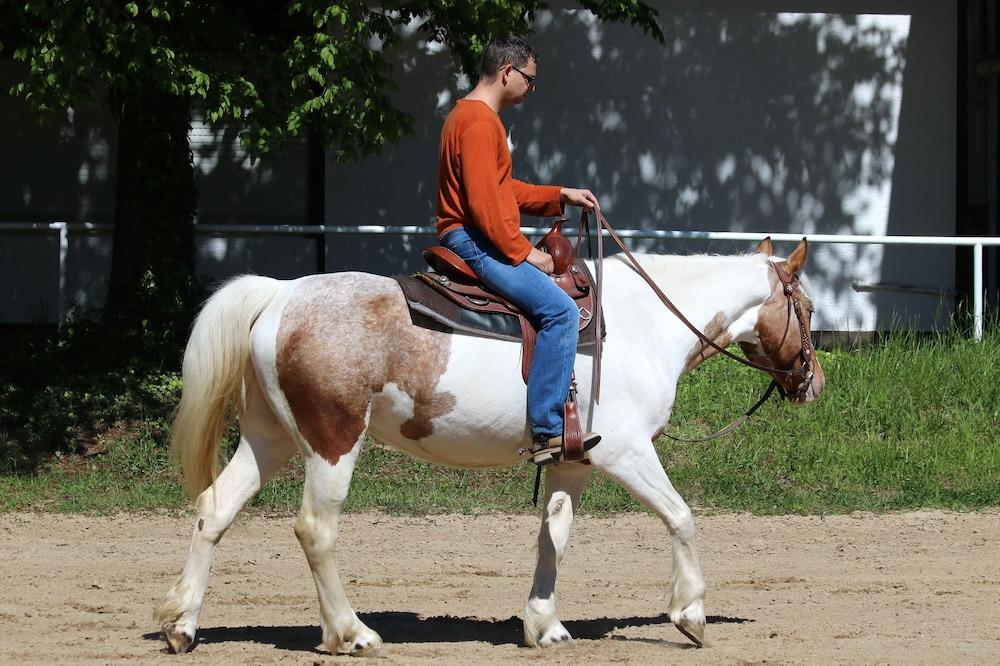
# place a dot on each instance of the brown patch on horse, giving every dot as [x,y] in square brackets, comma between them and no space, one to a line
[779,334]
[417,370]
[717,332]
[342,338]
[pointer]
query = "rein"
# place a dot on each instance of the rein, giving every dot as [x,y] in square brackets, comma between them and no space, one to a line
[789,286]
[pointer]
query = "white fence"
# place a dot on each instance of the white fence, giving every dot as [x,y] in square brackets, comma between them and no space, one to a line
[976,242]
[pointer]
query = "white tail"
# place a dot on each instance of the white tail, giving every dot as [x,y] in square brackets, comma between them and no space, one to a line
[215,361]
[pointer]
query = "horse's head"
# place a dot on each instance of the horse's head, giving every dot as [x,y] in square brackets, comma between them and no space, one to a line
[782,334]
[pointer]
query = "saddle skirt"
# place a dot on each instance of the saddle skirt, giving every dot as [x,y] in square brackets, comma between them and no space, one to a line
[448,300]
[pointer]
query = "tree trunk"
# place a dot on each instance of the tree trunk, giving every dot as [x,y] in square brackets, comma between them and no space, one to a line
[152,261]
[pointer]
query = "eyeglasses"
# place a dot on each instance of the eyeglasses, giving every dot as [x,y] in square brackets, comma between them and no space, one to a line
[528,78]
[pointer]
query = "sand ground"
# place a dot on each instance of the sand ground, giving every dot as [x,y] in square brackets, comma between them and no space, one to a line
[861,589]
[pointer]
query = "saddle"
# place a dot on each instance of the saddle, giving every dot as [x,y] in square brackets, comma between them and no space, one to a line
[451,295]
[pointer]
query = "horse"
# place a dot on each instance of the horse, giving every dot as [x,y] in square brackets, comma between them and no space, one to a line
[310,366]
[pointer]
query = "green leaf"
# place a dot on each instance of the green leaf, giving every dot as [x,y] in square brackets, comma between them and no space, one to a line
[327,53]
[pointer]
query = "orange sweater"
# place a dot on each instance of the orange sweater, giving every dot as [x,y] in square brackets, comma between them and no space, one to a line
[475,185]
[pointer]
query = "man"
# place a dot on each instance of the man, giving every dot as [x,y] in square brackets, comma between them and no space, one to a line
[479,206]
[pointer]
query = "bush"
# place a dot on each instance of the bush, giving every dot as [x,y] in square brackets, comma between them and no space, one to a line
[62,389]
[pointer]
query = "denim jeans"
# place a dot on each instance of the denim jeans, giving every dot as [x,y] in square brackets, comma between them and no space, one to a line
[553,313]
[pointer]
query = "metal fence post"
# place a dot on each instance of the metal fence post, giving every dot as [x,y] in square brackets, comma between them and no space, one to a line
[63,228]
[977,291]
[321,252]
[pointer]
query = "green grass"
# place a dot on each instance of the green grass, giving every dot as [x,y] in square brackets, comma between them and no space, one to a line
[909,422]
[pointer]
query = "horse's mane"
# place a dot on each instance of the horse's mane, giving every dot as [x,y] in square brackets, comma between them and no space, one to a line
[671,267]
[687,259]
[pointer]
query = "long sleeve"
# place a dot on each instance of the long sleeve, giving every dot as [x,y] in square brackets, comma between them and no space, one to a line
[479,158]
[540,200]
[476,186]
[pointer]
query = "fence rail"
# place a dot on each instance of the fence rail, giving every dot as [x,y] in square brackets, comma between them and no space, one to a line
[977,243]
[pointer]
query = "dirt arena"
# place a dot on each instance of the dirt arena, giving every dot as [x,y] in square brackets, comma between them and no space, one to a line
[906,588]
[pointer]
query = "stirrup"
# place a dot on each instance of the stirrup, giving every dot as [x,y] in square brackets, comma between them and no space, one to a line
[548,450]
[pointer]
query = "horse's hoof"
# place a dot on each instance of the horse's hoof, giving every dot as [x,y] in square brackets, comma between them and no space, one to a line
[696,634]
[365,643]
[555,634]
[691,623]
[179,641]
[553,638]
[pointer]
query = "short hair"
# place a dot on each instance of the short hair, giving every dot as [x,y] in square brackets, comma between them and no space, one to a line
[507,50]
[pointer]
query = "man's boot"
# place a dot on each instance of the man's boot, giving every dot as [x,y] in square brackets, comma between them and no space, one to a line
[547,450]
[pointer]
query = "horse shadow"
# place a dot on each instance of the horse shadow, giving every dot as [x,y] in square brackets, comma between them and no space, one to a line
[406,627]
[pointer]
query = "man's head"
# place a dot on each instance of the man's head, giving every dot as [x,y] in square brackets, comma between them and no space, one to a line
[510,63]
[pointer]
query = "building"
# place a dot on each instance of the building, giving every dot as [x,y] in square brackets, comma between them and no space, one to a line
[842,117]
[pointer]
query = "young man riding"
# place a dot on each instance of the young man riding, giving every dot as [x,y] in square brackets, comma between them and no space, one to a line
[479,205]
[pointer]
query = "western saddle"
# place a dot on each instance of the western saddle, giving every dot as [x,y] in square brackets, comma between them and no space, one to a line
[452,295]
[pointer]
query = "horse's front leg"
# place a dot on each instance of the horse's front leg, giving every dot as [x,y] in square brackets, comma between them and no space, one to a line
[564,484]
[639,471]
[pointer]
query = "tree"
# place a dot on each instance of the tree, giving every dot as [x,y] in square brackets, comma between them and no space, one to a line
[273,69]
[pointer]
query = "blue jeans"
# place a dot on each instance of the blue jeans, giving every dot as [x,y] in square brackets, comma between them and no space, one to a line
[549,308]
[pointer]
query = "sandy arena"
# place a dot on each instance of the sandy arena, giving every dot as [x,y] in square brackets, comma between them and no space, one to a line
[862,589]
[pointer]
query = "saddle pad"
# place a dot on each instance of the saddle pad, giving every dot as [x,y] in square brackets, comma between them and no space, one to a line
[431,309]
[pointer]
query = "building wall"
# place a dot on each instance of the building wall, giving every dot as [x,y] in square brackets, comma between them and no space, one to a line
[800,116]
[839,118]
[63,171]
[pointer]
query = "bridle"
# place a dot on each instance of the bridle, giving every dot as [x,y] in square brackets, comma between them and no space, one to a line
[807,352]
[790,288]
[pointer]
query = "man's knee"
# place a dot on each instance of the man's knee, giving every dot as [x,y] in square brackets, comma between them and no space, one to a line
[564,312]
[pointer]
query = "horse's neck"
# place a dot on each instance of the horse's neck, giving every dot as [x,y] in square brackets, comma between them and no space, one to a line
[719,295]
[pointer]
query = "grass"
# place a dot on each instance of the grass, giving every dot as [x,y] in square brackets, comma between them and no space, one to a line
[908,422]
[911,421]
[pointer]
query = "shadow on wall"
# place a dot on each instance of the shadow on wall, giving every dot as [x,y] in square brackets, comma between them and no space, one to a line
[236,187]
[759,122]
[740,121]
[60,171]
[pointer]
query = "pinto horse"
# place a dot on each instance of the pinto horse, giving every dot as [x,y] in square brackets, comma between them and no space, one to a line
[309,366]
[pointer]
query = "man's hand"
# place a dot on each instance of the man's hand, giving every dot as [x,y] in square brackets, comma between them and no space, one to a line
[583,198]
[541,260]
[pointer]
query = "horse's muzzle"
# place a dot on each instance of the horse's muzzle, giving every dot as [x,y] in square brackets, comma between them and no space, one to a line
[810,388]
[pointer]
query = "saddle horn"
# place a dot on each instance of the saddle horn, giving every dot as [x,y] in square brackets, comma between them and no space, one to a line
[558,247]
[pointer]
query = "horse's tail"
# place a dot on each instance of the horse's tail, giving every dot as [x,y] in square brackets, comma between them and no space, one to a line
[215,361]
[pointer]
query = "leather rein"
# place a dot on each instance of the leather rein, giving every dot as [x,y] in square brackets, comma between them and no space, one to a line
[790,286]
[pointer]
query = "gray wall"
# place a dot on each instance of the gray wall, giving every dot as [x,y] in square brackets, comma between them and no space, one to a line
[745,121]
[837,120]
[59,172]
[63,171]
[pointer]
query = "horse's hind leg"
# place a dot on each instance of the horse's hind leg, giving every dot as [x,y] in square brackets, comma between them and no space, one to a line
[324,494]
[264,447]
[643,476]
[564,484]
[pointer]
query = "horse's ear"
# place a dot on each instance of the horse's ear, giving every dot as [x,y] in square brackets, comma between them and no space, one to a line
[797,259]
[765,247]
